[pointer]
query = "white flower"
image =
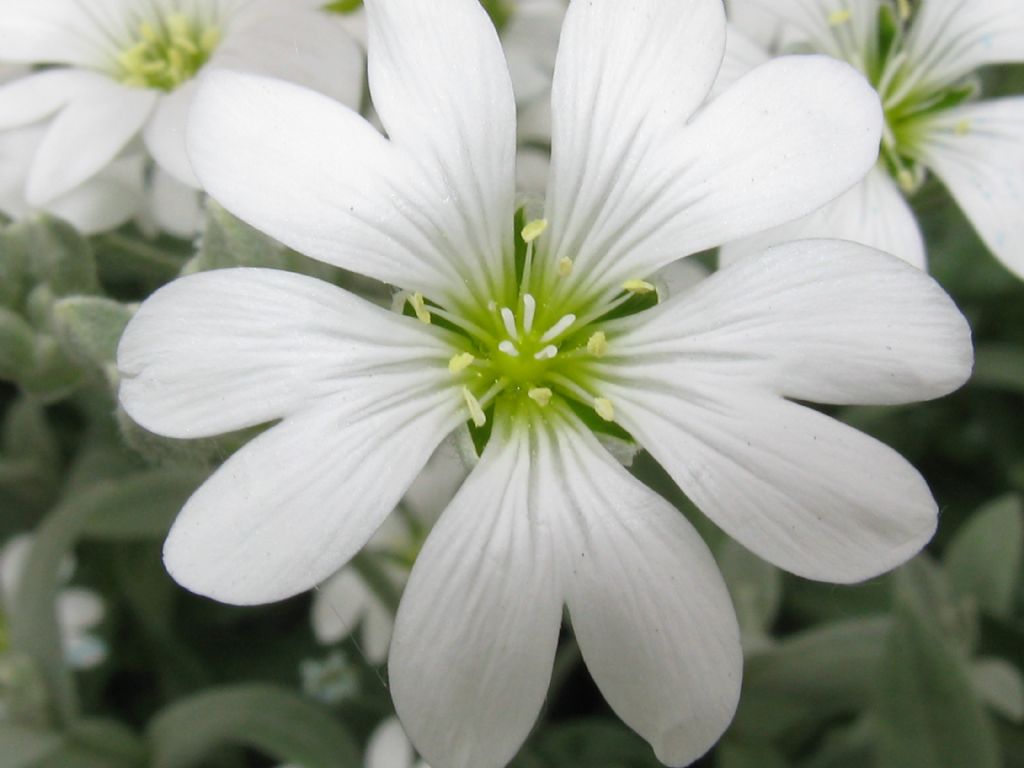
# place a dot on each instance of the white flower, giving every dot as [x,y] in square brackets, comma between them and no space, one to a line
[921,62]
[528,350]
[79,610]
[389,747]
[345,600]
[127,71]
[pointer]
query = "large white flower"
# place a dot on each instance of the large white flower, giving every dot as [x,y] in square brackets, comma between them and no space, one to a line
[921,62]
[127,73]
[537,340]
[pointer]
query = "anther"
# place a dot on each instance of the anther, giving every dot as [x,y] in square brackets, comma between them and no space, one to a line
[564,266]
[904,6]
[509,348]
[638,287]
[597,344]
[604,408]
[509,321]
[540,395]
[533,230]
[460,362]
[476,413]
[962,128]
[419,306]
[529,310]
[547,353]
[558,328]
[839,17]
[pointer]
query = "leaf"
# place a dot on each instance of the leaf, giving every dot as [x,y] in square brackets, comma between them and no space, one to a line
[745,756]
[984,559]
[596,744]
[922,586]
[810,677]
[273,720]
[999,366]
[57,255]
[999,685]
[22,747]
[140,506]
[929,716]
[756,590]
[17,345]
[91,326]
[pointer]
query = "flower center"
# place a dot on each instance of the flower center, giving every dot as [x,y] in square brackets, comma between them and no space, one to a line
[542,352]
[909,98]
[169,52]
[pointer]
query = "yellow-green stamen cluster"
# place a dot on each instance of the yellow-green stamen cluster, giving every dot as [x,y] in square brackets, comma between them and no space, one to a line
[169,52]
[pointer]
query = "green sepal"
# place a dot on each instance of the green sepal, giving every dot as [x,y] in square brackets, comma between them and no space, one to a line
[344,6]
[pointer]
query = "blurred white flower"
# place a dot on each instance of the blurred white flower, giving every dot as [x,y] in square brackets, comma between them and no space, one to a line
[920,57]
[389,747]
[79,610]
[533,355]
[124,81]
[346,600]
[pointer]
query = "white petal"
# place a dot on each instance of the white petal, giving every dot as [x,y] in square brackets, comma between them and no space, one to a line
[301,45]
[628,76]
[378,625]
[37,96]
[477,627]
[742,55]
[316,176]
[165,134]
[785,139]
[86,136]
[389,747]
[795,487]
[174,207]
[55,32]
[780,25]
[107,200]
[13,557]
[978,152]
[443,92]
[434,489]
[649,608]
[950,38]
[222,350]
[874,213]
[79,609]
[820,320]
[530,40]
[300,500]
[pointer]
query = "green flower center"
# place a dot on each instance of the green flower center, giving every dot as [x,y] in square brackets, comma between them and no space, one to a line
[542,351]
[168,52]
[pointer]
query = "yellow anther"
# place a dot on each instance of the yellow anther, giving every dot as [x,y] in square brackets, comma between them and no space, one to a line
[604,408]
[540,395]
[840,17]
[476,413]
[460,362]
[419,306]
[149,33]
[962,128]
[906,180]
[638,286]
[904,6]
[178,25]
[564,266]
[534,229]
[210,39]
[597,344]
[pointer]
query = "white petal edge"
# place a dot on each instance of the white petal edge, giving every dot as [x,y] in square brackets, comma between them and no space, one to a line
[476,630]
[296,503]
[227,349]
[164,134]
[650,609]
[978,152]
[38,95]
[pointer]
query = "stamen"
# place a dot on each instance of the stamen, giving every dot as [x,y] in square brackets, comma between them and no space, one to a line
[529,310]
[549,352]
[840,17]
[460,362]
[597,344]
[564,266]
[476,413]
[604,408]
[904,7]
[906,180]
[639,287]
[509,348]
[558,328]
[963,127]
[419,306]
[510,323]
[533,230]
[540,395]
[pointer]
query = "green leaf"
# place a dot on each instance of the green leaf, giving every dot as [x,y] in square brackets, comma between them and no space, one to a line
[756,590]
[140,506]
[22,747]
[273,720]
[596,744]
[999,685]
[91,326]
[746,756]
[984,559]
[810,677]
[929,716]
[999,366]
[17,346]
[57,255]
[922,586]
